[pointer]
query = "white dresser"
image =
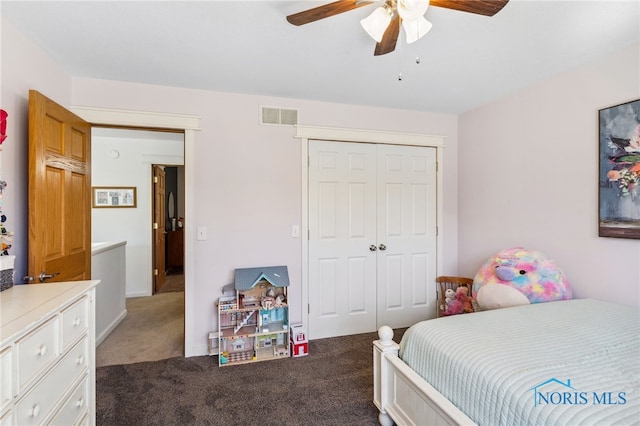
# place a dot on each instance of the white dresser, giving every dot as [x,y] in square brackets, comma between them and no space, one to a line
[47,357]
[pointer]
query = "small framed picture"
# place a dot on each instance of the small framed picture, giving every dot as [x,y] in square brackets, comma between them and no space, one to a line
[114,196]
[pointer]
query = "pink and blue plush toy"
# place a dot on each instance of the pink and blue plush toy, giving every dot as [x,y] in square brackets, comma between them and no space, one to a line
[517,276]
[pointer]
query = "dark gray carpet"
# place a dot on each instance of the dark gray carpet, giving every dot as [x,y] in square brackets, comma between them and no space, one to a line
[333,385]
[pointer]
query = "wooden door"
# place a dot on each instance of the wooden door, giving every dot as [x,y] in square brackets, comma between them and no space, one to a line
[159,232]
[59,193]
[372,236]
[342,240]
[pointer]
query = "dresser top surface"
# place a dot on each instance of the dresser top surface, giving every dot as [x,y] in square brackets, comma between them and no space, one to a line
[23,305]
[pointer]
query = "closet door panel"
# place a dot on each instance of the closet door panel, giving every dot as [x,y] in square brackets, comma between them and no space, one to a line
[372,240]
[327,280]
[342,226]
[406,230]
[419,276]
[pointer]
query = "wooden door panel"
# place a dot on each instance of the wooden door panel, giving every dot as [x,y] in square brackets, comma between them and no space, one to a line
[78,145]
[159,233]
[76,213]
[72,265]
[59,192]
[52,235]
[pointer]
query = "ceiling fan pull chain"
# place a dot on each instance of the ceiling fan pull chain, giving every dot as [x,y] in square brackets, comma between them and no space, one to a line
[400,54]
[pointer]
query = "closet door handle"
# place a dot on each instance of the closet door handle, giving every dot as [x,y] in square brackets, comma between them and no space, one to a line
[382,247]
[372,247]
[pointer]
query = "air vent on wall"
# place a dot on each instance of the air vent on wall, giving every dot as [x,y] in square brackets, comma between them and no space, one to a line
[279,116]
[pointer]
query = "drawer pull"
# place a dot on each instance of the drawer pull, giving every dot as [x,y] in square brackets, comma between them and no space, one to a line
[80,360]
[76,322]
[35,410]
[80,402]
[42,351]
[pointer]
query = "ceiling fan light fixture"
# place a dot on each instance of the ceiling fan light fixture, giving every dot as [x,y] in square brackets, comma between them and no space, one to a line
[410,10]
[383,25]
[416,29]
[376,23]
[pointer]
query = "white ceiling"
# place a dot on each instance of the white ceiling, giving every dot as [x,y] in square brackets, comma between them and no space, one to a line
[249,47]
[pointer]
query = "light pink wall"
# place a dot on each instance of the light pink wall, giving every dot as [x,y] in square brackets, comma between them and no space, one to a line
[247,177]
[528,176]
[23,67]
[527,173]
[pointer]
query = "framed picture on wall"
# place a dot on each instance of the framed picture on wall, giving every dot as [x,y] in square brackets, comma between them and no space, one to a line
[619,174]
[114,196]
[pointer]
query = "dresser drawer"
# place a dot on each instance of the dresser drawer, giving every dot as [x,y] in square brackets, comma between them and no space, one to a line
[6,377]
[7,419]
[75,321]
[36,351]
[85,421]
[75,407]
[34,407]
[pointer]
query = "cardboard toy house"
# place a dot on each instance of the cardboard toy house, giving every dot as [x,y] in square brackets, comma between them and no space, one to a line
[254,325]
[265,286]
[299,343]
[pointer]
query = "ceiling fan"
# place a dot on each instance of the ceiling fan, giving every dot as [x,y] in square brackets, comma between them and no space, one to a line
[383,25]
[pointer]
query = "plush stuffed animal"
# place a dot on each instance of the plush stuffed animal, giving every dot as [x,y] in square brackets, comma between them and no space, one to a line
[517,276]
[462,295]
[460,303]
[453,308]
[449,295]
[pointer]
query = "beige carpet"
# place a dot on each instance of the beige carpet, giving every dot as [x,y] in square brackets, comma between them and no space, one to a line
[152,330]
[173,282]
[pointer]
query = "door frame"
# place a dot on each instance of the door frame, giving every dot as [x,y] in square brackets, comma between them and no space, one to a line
[190,124]
[307,133]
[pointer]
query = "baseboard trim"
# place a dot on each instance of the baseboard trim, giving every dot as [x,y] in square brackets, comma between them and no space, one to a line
[138,294]
[197,350]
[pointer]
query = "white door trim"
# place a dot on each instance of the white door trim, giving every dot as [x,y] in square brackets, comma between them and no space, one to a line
[189,124]
[125,118]
[306,133]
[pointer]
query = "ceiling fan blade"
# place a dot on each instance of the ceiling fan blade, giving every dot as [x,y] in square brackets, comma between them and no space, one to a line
[389,39]
[325,11]
[481,7]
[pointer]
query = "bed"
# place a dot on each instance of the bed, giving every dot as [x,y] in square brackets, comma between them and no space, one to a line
[566,362]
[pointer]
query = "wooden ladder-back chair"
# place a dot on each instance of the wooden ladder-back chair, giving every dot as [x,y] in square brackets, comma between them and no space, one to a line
[448,282]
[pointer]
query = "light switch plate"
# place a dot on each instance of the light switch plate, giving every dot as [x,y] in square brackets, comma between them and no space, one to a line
[202,233]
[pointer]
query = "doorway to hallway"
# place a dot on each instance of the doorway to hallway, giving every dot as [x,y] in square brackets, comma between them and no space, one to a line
[127,157]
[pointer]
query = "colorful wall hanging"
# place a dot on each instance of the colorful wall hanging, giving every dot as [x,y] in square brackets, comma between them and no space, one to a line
[6,237]
[619,186]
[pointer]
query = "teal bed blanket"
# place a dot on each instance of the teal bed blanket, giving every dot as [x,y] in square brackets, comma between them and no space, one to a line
[573,362]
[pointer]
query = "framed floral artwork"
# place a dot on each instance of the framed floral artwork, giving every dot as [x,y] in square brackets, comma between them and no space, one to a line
[619,177]
[114,196]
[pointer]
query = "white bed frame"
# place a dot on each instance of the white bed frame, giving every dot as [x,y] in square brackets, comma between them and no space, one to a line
[402,396]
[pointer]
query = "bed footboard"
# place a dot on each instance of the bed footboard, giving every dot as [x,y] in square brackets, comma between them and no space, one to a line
[401,395]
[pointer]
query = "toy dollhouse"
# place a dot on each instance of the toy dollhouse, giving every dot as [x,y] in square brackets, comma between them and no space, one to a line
[254,325]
